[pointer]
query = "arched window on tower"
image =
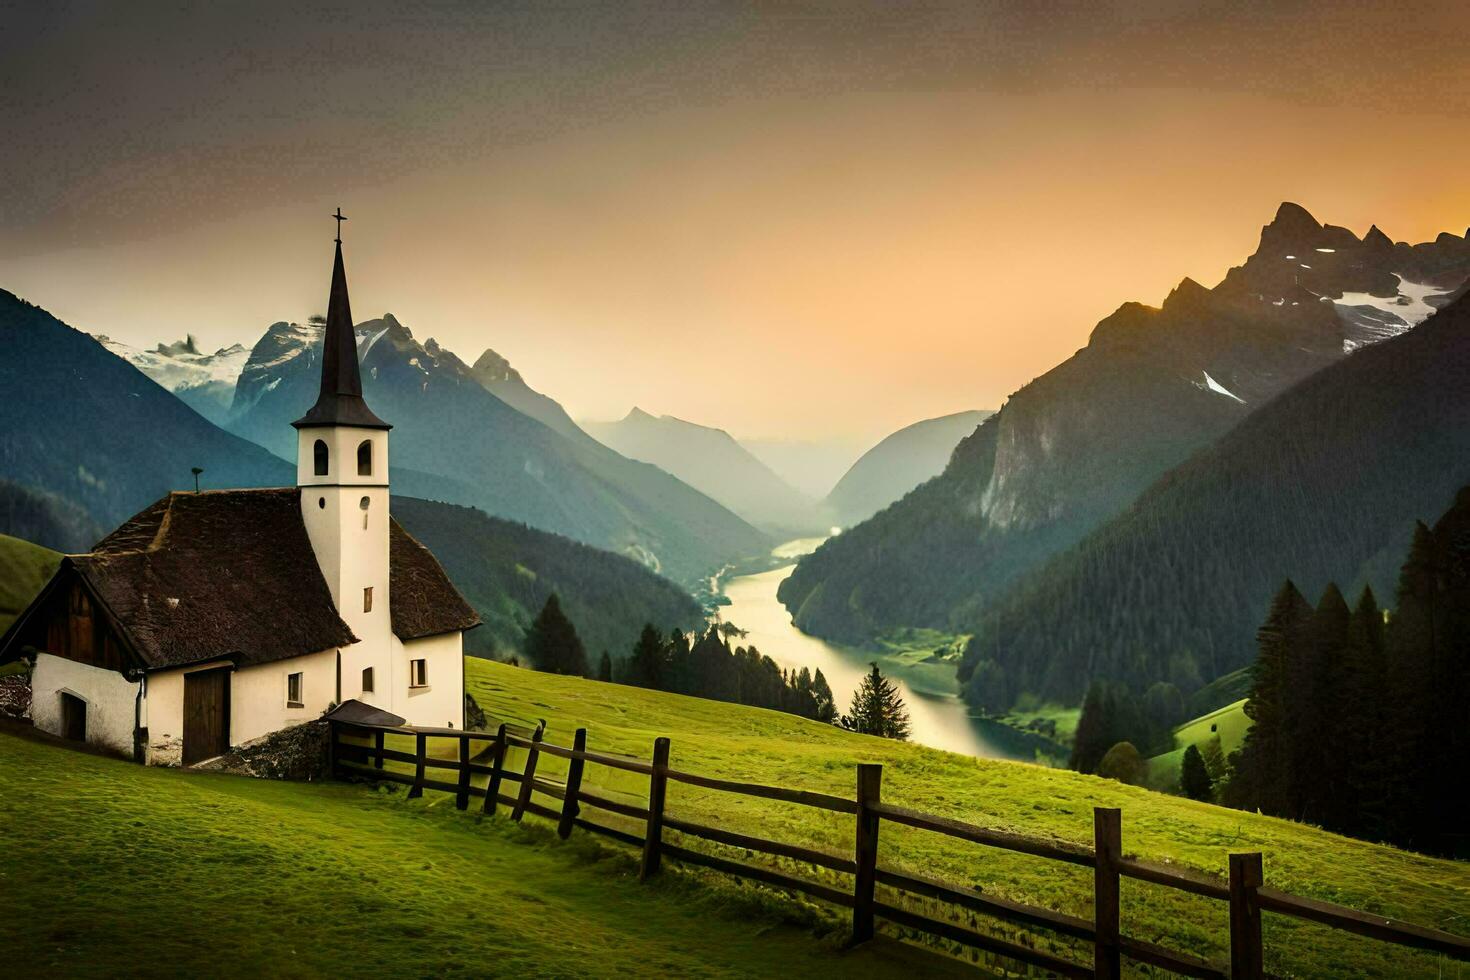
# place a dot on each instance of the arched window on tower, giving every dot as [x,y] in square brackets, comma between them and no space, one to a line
[319,458]
[365,458]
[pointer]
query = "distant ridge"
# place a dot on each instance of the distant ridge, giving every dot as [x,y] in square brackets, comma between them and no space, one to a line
[897,464]
[713,462]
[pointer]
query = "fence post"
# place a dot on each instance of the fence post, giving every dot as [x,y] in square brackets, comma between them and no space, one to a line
[569,806]
[528,777]
[378,749]
[1107,833]
[1247,959]
[869,794]
[421,750]
[492,791]
[657,786]
[462,797]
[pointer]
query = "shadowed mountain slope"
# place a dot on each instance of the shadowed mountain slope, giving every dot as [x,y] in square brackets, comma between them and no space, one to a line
[1077,445]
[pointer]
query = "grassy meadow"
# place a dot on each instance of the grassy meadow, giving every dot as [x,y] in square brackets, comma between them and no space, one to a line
[111,869]
[766,746]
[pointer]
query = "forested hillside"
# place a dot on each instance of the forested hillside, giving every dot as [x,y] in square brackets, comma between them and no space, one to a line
[1404,686]
[507,570]
[1322,484]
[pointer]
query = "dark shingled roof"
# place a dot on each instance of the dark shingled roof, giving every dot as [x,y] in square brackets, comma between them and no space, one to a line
[421,598]
[231,574]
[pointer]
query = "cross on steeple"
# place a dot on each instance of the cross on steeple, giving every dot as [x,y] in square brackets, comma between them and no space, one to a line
[340,218]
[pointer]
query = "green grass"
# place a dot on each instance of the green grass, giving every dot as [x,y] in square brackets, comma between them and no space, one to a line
[1065,718]
[113,869]
[1229,722]
[770,747]
[915,645]
[24,569]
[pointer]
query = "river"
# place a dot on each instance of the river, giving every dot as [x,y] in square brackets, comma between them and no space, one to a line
[937,715]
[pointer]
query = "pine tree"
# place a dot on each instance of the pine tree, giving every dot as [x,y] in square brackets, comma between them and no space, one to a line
[1263,764]
[1314,683]
[822,695]
[1362,735]
[1091,740]
[877,708]
[1216,764]
[604,668]
[645,667]
[552,642]
[1412,638]
[1194,776]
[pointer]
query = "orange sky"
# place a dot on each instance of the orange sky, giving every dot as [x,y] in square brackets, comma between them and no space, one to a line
[810,256]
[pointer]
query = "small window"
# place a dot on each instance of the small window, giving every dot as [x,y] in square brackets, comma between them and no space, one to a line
[319,458]
[367,599]
[367,680]
[365,503]
[321,502]
[418,673]
[293,690]
[365,458]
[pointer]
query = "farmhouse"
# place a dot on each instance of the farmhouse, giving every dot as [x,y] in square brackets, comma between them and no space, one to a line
[211,619]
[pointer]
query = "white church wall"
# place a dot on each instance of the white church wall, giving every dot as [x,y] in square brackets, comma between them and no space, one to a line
[439,704]
[111,701]
[257,701]
[258,695]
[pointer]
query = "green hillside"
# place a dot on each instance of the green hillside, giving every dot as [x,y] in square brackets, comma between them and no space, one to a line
[770,747]
[112,869]
[1229,723]
[24,568]
[506,570]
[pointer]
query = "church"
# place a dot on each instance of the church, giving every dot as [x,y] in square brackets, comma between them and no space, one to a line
[214,618]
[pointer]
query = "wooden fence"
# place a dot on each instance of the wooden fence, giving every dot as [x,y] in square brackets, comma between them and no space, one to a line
[1245,891]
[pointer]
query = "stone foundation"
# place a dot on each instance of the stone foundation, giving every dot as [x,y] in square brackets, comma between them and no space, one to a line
[298,752]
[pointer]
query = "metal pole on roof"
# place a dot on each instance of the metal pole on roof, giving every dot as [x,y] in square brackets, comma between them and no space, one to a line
[196,471]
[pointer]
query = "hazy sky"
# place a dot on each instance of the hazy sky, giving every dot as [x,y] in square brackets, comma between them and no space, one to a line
[801,220]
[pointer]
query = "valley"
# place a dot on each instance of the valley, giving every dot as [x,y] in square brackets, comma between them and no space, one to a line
[939,716]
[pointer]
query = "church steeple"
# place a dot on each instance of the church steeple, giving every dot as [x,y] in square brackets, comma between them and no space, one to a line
[340,400]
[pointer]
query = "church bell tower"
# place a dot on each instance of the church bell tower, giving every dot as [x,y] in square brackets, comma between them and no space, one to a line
[342,470]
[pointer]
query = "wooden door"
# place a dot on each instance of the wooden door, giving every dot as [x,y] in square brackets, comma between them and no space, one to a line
[73,718]
[206,714]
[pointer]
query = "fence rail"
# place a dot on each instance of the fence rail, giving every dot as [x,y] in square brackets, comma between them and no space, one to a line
[1243,891]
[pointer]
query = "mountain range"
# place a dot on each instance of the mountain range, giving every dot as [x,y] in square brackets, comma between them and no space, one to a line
[1322,484]
[88,440]
[896,465]
[83,425]
[455,440]
[1076,446]
[204,382]
[711,461]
